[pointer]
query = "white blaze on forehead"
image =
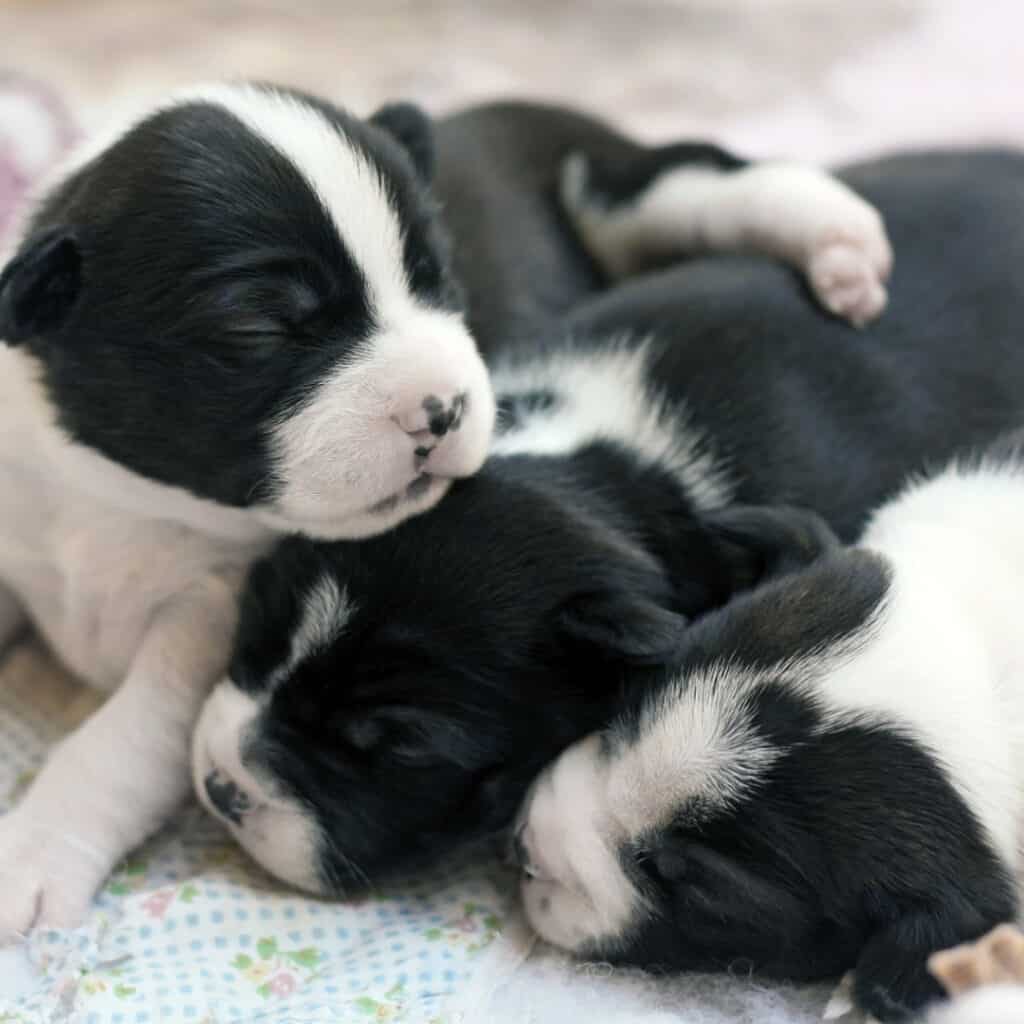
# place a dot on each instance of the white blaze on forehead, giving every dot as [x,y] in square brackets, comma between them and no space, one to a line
[697,742]
[326,610]
[347,183]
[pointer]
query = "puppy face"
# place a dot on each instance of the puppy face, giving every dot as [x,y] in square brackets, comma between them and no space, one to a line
[739,817]
[397,696]
[247,295]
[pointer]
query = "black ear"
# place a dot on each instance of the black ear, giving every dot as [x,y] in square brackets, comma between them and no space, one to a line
[39,286]
[892,981]
[622,626]
[764,541]
[412,128]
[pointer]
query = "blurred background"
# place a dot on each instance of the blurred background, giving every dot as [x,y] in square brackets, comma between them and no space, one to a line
[819,79]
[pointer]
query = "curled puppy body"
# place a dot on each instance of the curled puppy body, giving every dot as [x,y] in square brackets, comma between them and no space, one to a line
[232,320]
[390,699]
[828,775]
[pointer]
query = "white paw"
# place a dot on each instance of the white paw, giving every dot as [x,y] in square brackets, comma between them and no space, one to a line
[47,877]
[848,267]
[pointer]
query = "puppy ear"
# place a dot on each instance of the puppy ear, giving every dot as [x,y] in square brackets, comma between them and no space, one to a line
[763,541]
[410,126]
[622,626]
[39,286]
[892,981]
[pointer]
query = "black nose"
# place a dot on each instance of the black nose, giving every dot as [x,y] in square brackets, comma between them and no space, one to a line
[228,800]
[441,420]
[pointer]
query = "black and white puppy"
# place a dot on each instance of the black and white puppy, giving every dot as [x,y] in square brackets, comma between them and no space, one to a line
[390,699]
[829,774]
[231,320]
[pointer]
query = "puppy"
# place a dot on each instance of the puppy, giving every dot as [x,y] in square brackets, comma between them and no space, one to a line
[391,699]
[830,772]
[232,320]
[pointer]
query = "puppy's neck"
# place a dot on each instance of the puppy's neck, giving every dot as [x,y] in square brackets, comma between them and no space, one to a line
[31,438]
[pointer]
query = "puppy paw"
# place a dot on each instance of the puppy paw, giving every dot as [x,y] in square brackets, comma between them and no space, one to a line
[995,959]
[47,877]
[848,266]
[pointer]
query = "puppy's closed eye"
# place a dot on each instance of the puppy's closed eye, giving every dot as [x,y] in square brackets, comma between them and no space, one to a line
[410,735]
[703,877]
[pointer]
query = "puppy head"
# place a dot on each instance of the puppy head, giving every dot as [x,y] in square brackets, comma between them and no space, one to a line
[401,693]
[247,295]
[734,818]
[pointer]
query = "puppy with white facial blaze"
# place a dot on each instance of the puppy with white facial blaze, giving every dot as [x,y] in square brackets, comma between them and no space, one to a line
[232,319]
[400,694]
[829,773]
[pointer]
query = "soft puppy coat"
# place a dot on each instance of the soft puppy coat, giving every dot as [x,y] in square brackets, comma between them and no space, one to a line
[236,318]
[830,772]
[646,444]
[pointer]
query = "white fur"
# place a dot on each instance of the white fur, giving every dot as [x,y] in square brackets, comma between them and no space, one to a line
[348,186]
[344,450]
[942,660]
[608,395]
[792,212]
[325,612]
[275,829]
[129,595]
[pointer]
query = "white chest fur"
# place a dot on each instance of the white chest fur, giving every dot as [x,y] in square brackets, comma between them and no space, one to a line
[89,559]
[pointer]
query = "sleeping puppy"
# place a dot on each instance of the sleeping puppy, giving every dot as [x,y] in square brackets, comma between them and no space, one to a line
[237,318]
[829,773]
[390,699]
[232,320]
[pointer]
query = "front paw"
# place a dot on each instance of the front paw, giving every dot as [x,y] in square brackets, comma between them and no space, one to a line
[849,264]
[47,877]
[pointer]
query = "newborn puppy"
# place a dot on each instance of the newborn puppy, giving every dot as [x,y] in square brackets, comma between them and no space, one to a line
[231,320]
[827,775]
[390,699]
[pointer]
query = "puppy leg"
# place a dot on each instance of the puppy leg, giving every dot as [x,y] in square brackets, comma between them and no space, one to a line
[688,200]
[985,979]
[12,618]
[995,959]
[115,780]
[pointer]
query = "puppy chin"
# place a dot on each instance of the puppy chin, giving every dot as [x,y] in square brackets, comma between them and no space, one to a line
[360,524]
[284,842]
[558,914]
